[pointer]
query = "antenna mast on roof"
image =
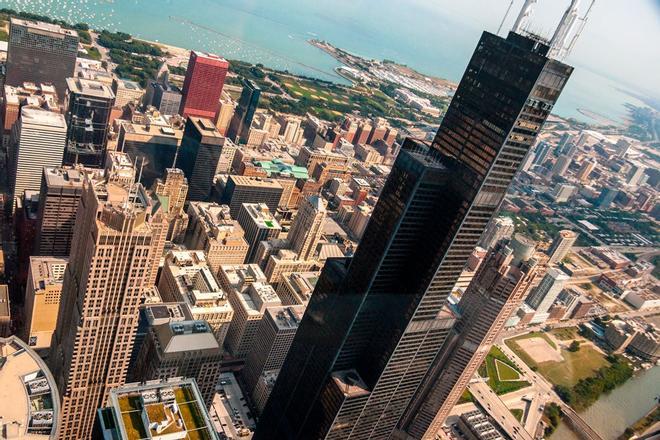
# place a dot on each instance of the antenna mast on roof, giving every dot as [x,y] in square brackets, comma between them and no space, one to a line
[506,14]
[524,16]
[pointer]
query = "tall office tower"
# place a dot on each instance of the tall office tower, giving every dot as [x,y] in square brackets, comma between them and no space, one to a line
[172,409]
[172,189]
[38,140]
[15,98]
[307,227]
[545,294]
[499,228]
[271,344]
[88,105]
[181,349]
[635,175]
[239,126]
[296,288]
[561,165]
[226,109]
[250,296]
[165,97]
[497,290]
[153,143]
[247,189]
[292,131]
[126,91]
[226,157]
[258,224]
[29,403]
[541,153]
[119,168]
[561,245]
[186,278]
[61,188]
[212,230]
[585,170]
[202,87]
[5,312]
[606,197]
[42,300]
[199,155]
[112,257]
[373,327]
[40,53]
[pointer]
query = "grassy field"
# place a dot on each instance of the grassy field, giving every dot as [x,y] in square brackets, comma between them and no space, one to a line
[575,366]
[517,413]
[565,334]
[501,372]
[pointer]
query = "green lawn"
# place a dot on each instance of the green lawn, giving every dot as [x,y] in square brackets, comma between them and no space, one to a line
[517,413]
[505,372]
[465,397]
[565,334]
[575,366]
[501,372]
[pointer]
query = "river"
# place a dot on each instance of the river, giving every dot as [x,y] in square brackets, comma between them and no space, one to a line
[614,412]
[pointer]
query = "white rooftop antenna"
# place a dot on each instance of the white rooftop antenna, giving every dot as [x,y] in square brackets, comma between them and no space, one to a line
[524,16]
[583,22]
[506,14]
[559,40]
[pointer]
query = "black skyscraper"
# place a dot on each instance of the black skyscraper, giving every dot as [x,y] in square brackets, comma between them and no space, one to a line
[242,119]
[375,324]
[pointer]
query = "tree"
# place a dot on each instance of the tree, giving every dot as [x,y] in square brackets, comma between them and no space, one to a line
[575,346]
[564,393]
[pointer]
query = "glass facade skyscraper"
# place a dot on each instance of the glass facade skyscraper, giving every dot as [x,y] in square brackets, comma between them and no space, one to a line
[375,324]
[242,119]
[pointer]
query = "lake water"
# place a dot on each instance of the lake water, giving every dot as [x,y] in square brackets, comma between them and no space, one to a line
[613,413]
[275,33]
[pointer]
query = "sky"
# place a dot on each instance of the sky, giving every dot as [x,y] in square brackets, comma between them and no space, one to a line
[620,41]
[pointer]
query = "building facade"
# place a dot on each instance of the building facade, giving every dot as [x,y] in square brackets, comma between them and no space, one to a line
[202,88]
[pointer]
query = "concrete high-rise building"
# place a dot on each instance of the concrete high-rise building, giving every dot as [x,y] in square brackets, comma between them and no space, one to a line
[165,97]
[545,294]
[119,168]
[561,245]
[88,106]
[5,312]
[292,131]
[606,197]
[499,228]
[561,165]
[497,290]
[296,288]
[126,91]
[202,87]
[374,326]
[286,261]
[541,153]
[239,126]
[199,156]
[636,175]
[226,109]
[250,296]
[258,224]
[29,402]
[167,409]
[181,349]
[271,343]
[226,157]
[244,189]
[585,170]
[153,146]
[40,52]
[115,244]
[38,140]
[307,227]
[42,300]
[61,188]
[15,98]
[172,190]
[213,230]
[186,278]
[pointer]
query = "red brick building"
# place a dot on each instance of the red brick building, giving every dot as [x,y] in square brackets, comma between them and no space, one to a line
[202,87]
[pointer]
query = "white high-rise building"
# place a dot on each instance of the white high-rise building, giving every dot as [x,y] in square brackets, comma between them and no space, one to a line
[545,294]
[307,227]
[38,141]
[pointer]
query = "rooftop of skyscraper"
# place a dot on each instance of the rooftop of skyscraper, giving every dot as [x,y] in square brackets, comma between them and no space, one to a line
[172,409]
[43,27]
[181,336]
[89,87]
[38,116]
[29,402]
[286,317]
[260,214]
